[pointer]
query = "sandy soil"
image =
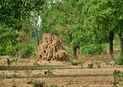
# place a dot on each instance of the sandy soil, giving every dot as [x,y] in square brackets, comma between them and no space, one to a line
[81,77]
[101,81]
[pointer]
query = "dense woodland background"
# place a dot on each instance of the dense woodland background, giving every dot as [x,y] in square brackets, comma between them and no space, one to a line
[87,27]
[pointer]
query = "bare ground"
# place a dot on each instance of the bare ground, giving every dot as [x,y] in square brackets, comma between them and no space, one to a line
[74,77]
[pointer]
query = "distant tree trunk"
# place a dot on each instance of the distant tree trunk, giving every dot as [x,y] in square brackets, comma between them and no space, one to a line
[121,44]
[111,37]
[36,36]
[74,47]
[75,50]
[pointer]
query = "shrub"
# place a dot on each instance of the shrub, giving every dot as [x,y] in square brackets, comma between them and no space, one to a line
[92,49]
[119,61]
[53,85]
[90,65]
[76,63]
[15,75]
[49,71]
[8,61]
[10,49]
[3,75]
[83,62]
[0,50]
[38,83]
[25,50]
[118,78]
[14,60]
[22,49]
[36,64]
[70,53]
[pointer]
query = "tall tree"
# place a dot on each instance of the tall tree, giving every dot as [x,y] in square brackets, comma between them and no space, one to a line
[105,16]
[64,18]
[34,20]
[13,14]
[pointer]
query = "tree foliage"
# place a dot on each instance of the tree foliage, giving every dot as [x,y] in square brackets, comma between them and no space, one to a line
[15,17]
[84,23]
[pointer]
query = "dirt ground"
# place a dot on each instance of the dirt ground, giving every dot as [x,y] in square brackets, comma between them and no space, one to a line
[64,74]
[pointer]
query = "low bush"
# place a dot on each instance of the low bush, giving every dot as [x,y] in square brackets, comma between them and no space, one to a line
[10,49]
[25,50]
[53,85]
[118,78]
[22,49]
[49,70]
[14,61]
[3,75]
[36,64]
[15,75]
[70,53]
[76,63]
[90,65]
[119,61]
[93,49]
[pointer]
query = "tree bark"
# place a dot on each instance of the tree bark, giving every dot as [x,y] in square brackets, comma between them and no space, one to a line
[121,44]
[75,50]
[36,36]
[111,37]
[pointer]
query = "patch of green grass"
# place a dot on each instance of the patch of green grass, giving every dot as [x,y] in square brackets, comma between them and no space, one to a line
[28,73]
[76,63]
[38,83]
[36,64]
[15,75]
[49,70]
[119,61]
[9,62]
[118,78]
[22,60]
[53,85]
[3,75]
[98,64]
[83,62]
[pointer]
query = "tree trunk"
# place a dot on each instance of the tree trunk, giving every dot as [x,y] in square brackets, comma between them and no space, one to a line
[111,37]
[36,36]
[74,47]
[75,50]
[121,44]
